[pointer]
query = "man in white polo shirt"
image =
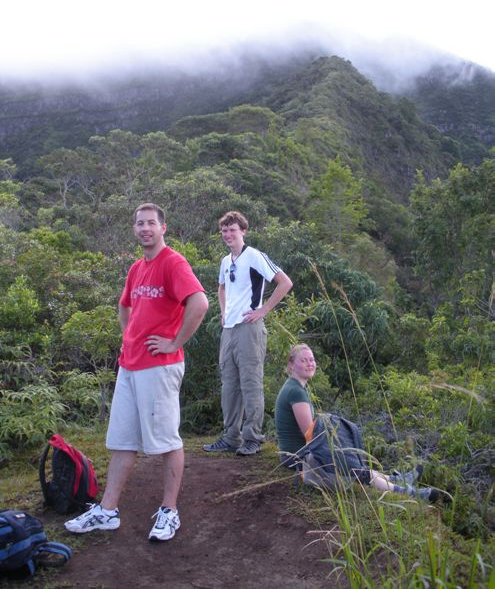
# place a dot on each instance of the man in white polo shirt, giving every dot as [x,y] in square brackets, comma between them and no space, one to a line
[242,277]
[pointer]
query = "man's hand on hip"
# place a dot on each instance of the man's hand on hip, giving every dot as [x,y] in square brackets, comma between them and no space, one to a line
[253,316]
[160,345]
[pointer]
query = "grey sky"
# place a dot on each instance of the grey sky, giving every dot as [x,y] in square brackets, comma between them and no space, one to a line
[46,37]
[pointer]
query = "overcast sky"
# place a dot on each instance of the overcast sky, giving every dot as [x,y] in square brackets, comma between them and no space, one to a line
[46,37]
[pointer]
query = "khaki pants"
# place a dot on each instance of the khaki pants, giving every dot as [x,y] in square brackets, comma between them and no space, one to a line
[242,355]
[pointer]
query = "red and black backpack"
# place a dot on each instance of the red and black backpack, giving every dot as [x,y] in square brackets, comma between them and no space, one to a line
[73,484]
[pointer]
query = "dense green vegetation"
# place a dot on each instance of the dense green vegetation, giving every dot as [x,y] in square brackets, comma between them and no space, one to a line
[336,110]
[459,100]
[394,291]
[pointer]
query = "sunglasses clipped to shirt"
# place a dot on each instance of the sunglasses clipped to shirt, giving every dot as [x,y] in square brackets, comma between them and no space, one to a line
[232,270]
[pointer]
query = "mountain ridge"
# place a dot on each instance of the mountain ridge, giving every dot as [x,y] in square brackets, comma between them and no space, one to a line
[35,118]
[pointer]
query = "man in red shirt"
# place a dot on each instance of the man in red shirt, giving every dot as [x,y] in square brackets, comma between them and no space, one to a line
[161,307]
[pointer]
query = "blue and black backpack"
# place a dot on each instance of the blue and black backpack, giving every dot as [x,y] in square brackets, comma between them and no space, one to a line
[24,546]
[334,454]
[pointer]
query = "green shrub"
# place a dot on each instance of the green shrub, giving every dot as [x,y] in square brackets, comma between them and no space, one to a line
[80,392]
[28,416]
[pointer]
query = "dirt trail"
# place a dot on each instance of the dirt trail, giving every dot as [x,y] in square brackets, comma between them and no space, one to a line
[247,541]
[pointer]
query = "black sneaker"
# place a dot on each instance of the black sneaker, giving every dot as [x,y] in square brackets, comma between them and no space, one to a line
[425,493]
[406,478]
[219,446]
[428,494]
[248,448]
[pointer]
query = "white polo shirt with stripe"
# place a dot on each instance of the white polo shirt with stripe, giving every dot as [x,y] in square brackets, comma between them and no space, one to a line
[249,272]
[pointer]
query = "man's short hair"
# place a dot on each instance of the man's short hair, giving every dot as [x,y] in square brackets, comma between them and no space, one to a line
[149,206]
[234,217]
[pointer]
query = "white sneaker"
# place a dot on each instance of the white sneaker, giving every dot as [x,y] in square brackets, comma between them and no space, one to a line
[167,523]
[93,519]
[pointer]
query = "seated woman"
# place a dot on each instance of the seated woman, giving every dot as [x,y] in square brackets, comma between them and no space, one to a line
[294,418]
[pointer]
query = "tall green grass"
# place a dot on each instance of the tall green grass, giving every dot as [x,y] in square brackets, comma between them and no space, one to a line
[389,541]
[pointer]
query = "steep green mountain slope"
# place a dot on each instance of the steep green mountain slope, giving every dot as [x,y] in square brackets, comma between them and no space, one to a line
[460,102]
[37,118]
[381,135]
[331,109]
[325,104]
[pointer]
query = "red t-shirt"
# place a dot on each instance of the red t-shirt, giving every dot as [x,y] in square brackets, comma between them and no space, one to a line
[156,291]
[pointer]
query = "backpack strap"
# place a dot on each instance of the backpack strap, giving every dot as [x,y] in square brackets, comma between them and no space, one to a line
[57,441]
[42,473]
[44,554]
[31,566]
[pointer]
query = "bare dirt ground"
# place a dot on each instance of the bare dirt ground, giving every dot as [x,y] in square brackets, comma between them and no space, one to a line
[248,540]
